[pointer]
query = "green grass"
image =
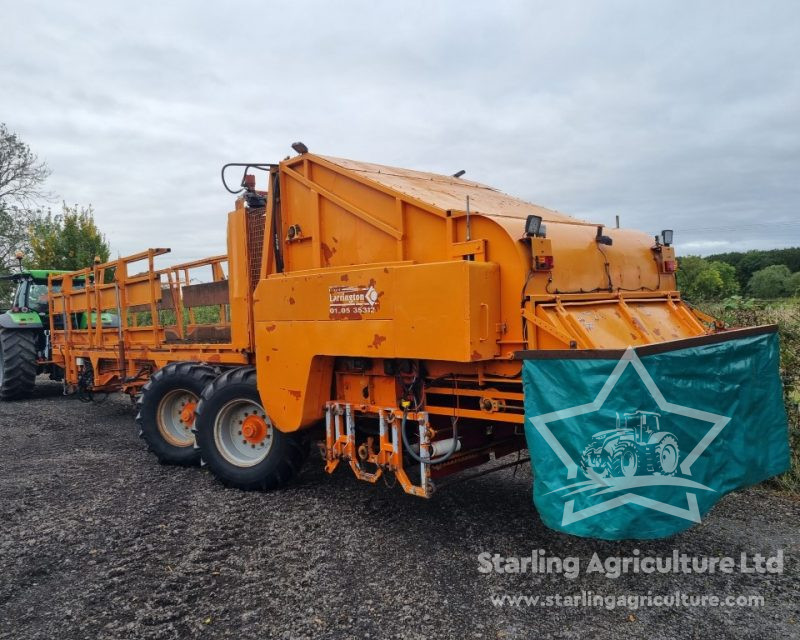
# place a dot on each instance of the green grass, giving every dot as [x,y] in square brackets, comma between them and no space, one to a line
[738,312]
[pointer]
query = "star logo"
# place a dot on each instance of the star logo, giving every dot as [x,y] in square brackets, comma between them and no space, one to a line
[604,462]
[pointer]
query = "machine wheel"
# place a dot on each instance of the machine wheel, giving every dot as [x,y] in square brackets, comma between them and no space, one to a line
[17,363]
[238,441]
[166,411]
[666,456]
[592,466]
[625,461]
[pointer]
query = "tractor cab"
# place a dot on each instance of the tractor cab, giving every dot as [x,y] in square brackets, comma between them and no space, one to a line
[29,305]
[642,423]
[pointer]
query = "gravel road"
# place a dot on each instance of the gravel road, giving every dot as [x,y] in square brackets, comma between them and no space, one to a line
[97,540]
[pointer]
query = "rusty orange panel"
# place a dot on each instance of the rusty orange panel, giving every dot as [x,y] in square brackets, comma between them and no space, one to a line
[205,294]
[614,323]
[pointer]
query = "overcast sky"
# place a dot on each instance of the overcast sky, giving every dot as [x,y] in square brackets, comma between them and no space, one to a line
[670,114]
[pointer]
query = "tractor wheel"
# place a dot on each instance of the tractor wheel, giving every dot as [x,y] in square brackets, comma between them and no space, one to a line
[593,466]
[166,411]
[17,363]
[666,456]
[625,461]
[238,441]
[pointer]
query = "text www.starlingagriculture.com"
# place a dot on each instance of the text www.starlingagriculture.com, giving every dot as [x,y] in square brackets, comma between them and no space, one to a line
[626,601]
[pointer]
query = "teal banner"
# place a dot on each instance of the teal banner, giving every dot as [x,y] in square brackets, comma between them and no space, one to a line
[642,443]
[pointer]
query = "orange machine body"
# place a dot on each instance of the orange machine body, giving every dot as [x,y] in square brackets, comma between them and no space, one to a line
[386,263]
[366,294]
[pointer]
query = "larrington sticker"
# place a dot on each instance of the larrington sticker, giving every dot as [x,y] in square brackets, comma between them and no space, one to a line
[353,302]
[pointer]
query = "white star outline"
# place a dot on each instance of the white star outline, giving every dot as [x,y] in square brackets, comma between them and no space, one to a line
[629,357]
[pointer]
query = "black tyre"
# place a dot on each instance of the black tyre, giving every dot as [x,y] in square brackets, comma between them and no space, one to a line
[625,462]
[166,411]
[17,363]
[237,439]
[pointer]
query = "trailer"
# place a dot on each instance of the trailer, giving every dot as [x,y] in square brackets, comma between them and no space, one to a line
[378,311]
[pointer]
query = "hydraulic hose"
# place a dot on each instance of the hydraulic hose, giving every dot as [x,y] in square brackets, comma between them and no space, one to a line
[407,445]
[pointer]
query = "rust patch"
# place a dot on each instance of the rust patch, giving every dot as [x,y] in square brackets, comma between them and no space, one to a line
[386,270]
[345,278]
[352,315]
[377,341]
[274,348]
[476,356]
[335,239]
[327,254]
[271,328]
[294,393]
[657,331]
[372,282]
[266,358]
[291,300]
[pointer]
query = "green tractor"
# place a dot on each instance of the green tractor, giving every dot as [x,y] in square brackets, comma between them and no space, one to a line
[25,349]
[25,335]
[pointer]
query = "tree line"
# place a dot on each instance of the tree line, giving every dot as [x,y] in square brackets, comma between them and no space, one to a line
[32,236]
[766,274]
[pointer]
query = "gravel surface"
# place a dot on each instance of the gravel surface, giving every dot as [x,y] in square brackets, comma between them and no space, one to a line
[97,540]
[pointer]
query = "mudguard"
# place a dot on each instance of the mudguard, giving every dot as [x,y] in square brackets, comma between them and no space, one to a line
[20,320]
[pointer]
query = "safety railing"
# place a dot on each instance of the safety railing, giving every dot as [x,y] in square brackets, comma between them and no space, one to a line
[109,305]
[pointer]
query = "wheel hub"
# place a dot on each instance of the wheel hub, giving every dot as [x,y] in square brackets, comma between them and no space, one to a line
[254,429]
[175,417]
[243,432]
[187,414]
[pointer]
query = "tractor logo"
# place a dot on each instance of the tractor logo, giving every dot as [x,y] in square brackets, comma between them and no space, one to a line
[637,455]
[638,448]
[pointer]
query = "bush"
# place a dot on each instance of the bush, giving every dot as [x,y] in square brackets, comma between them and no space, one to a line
[770,282]
[701,279]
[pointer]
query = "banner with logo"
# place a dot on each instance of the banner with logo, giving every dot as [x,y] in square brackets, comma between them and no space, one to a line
[642,443]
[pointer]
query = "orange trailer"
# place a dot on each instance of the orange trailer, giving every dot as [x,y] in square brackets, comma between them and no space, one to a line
[378,310]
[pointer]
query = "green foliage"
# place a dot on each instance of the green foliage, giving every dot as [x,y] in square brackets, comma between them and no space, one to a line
[770,282]
[69,240]
[701,279]
[207,315]
[21,177]
[13,236]
[747,263]
[738,303]
[719,277]
[793,284]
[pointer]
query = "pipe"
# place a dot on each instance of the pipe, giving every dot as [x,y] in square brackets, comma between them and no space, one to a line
[410,451]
